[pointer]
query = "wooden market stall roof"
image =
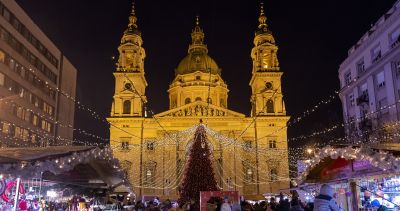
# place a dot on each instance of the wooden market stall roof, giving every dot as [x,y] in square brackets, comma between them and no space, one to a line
[93,170]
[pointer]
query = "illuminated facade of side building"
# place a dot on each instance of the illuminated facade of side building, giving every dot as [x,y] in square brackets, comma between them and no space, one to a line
[256,164]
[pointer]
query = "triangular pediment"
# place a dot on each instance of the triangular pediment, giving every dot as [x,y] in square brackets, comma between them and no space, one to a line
[199,108]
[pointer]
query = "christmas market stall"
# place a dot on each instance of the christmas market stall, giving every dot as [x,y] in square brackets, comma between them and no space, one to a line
[58,176]
[359,175]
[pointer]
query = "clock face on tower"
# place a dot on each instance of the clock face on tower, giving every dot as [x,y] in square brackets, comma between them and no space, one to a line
[128,86]
[268,85]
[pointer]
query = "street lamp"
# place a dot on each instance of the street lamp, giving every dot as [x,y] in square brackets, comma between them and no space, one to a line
[309,151]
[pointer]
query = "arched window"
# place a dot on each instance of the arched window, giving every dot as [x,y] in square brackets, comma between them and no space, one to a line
[273,174]
[127,107]
[198,98]
[270,106]
[187,100]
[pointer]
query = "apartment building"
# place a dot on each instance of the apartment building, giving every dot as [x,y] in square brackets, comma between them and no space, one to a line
[37,83]
[370,78]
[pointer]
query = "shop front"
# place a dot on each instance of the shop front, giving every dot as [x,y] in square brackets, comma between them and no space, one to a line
[360,181]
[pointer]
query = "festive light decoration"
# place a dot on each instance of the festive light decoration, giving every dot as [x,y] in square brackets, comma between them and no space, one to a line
[377,158]
[199,173]
[58,165]
[314,108]
[8,190]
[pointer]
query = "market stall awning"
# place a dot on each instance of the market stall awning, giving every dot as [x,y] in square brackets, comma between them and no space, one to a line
[336,163]
[88,167]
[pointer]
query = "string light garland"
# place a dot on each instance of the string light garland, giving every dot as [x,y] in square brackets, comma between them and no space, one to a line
[377,158]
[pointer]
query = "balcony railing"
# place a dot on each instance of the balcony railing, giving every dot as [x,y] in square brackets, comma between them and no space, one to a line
[362,99]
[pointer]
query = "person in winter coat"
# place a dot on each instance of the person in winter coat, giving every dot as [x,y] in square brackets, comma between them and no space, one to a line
[324,201]
[295,205]
[375,203]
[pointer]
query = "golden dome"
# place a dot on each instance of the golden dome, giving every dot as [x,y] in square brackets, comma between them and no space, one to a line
[197,58]
[197,61]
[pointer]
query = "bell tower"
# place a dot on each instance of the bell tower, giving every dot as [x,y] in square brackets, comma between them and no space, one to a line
[130,82]
[266,98]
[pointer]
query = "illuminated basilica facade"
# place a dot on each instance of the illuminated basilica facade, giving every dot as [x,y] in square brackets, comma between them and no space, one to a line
[255,162]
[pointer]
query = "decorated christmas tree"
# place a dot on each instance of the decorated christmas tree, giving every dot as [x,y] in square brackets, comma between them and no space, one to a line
[199,174]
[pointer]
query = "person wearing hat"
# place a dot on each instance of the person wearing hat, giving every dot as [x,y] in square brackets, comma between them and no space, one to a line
[324,201]
[375,203]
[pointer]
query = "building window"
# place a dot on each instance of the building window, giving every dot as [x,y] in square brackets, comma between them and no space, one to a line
[2,56]
[249,171]
[150,145]
[187,100]
[6,128]
[18,132]
[247,145]
[380,79]
[397,67]
[352,100]
[222,102]
[360,67]
[364,89]
[35,120]
[198,78]
[2,79]
[273,174]
[395,38]
[125,145]
[48,108]
[127,107]
[376,54]
[46,126]
[198,98]
[272,144]
[270,106]
[347,78]
[149,173]
[382,104]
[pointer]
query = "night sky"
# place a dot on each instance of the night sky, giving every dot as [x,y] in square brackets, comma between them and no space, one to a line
[313,38]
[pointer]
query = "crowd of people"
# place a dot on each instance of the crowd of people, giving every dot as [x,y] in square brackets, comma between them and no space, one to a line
[323,202]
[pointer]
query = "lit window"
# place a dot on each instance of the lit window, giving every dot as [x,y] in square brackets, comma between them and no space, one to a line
[18,132]
[2,56]
[272,144]
[380,79]
[35,120]
[6,128]
[1,79]
[376,54]
[47,108]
